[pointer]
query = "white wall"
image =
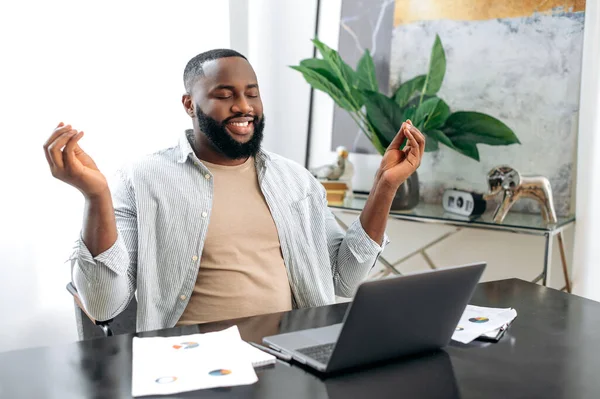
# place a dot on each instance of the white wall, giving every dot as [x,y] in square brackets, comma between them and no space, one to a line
[278,36]
[508,255]
[586,272]
[238,25]
[113,69]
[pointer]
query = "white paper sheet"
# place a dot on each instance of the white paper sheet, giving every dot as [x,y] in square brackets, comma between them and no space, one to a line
[168,365]
[477,320]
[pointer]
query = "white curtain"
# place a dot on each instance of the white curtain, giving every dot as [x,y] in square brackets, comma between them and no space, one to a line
[586,262]
[113,69]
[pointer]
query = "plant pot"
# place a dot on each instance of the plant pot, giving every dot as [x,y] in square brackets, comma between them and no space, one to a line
[407,196]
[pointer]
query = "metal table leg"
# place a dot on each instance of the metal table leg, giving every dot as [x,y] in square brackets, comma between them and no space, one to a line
[547,259]
[421,251]
[563,258]
[388,265]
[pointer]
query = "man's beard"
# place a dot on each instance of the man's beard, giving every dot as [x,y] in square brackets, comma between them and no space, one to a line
[221,139]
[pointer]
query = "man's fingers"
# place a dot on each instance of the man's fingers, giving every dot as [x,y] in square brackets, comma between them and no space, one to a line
[399,138]
[58,131]
[420,139]
[414,155]
[69,156]
[54,149]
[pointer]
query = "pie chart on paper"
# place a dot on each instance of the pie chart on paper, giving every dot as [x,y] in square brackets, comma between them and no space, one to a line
[220,372]
[479,319]
[166,380]
[186,345]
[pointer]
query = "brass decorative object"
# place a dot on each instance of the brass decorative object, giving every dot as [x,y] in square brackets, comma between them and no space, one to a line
[513,185]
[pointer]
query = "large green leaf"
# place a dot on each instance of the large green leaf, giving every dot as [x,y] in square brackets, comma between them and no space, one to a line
[408,89]
[322,67]
[438,116]
[423,112]
[479,128]
[365,70]
[432,114]
[466,147]
[439,136]
[379,141]
[320,82]
[437,68]
[416,101]
[348,78]
[431,144]
[409,113]
[435,136]
[385,115]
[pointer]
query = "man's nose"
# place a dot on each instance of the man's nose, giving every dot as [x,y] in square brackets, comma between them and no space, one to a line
[242,106]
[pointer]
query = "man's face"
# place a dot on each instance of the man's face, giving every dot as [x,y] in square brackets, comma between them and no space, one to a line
[228,107]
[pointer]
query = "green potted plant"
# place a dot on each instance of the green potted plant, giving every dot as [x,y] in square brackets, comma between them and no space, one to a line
[379,116]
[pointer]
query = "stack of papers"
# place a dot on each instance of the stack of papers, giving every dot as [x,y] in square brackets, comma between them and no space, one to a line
[257,357]
[478,321]
[168,365]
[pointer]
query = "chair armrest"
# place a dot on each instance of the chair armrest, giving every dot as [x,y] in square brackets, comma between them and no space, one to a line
[73,291]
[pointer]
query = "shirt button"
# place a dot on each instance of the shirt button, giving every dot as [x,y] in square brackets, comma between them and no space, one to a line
[182,297]
[204,214]
[194,258]
[207,176]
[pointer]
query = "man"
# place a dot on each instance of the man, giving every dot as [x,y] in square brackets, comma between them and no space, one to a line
[217,228]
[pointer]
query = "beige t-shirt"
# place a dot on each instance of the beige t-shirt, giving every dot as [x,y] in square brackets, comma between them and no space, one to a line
[242,272]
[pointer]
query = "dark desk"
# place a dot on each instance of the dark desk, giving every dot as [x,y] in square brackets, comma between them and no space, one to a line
[551,351]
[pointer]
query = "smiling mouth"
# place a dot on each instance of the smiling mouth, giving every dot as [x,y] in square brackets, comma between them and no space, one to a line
[240,128]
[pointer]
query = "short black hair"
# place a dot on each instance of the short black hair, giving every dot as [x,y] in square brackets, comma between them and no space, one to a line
[193,69]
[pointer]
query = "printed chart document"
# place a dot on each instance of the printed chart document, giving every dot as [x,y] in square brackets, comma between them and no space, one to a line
[477,320]
[168,365]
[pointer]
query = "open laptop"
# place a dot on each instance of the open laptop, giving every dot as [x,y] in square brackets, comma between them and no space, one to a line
[389,318]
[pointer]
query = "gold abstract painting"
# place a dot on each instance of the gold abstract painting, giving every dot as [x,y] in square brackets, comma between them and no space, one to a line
[516,60]
[407,11]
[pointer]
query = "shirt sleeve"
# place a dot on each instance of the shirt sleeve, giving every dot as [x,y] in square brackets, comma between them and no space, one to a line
[106,283]
[352,253]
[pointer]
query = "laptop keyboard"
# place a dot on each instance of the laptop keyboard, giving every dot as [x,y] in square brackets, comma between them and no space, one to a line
[320,353]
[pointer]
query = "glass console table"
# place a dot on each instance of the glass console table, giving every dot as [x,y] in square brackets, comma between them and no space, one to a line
[514,222]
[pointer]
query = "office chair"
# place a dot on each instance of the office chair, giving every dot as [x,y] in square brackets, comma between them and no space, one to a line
[88,327]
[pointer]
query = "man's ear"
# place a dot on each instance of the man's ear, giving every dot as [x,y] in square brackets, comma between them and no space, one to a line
[188,104]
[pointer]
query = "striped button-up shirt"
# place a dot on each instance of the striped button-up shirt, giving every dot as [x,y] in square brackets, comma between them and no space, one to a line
[162,207]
